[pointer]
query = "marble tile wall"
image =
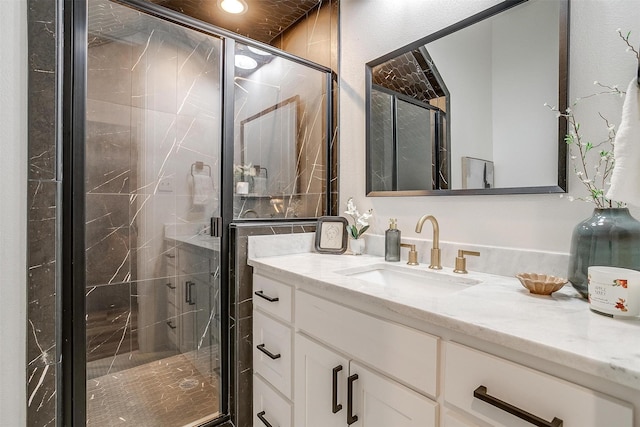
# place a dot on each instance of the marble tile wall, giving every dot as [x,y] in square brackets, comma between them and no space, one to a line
[241,307]
[43,367]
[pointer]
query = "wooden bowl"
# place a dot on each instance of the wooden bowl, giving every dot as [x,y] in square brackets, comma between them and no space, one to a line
[541,284]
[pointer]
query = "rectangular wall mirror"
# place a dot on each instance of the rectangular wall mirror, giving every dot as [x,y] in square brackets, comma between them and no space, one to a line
[468,101]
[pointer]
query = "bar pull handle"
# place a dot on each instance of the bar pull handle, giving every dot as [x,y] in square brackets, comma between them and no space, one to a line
[170,286]
[335,406]
[170,255]
[189,292]
[481,393]
[268,353]
[350,417]
[263,419]
[267,297]
[171,325]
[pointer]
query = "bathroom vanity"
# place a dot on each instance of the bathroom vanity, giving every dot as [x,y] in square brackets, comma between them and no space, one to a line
[352,340]
[192,297]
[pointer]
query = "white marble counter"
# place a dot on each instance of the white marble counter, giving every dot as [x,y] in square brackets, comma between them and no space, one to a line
[200,241]
[194,234]
[560,328]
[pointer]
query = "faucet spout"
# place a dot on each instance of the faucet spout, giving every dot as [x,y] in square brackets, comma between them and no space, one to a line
[435,250]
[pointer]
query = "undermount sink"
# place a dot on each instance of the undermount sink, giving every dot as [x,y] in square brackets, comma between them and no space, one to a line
[412,279]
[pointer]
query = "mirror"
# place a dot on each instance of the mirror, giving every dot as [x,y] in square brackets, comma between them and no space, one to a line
[269,147]
[462,111]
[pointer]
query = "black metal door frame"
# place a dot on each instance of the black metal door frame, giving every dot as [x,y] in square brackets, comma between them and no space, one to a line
[74,78]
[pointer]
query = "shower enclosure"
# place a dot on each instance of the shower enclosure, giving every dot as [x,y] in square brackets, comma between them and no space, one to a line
[173,138]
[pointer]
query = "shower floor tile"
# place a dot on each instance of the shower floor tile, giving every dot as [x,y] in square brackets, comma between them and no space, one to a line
[166,393]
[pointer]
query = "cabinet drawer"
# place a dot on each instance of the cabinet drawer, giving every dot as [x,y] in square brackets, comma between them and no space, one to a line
[273,297]
[405,354]
[170,289]
[536,393]
[269,406]
[272,355]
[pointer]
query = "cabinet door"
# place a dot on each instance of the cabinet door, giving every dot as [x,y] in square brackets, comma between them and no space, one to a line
[320,385]
[381,402]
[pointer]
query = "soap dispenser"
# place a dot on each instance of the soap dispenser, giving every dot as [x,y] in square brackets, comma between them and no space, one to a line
[392,242]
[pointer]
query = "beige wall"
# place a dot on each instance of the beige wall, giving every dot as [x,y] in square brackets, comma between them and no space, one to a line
[372,28]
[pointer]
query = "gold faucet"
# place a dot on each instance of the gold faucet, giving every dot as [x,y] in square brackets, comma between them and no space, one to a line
[435,250]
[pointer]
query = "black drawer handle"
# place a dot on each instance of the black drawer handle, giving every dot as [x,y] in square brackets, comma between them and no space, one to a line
[171,325]
[170,286]
[335,406]
[350,417]
[188,295]
[267,297]
[268,353]
[170,256]
[481,393]
[263,419]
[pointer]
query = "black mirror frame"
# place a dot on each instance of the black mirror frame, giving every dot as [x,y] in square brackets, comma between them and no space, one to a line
[563,99]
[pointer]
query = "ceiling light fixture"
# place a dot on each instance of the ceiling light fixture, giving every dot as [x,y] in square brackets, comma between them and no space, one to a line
[233,6]
[258,51]
[245,62]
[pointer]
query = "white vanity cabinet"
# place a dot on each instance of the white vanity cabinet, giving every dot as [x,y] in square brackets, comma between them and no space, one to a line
[505,394]
[339,366]
[367,372]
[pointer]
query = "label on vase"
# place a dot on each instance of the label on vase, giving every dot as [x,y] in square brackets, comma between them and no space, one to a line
[614,291]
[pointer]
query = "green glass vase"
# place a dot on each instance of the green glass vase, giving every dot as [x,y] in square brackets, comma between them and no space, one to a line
[611,237]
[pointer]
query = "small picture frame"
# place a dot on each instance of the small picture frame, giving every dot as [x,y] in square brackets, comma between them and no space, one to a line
[331,235]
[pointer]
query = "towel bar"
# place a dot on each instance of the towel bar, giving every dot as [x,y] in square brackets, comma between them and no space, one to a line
[200,166]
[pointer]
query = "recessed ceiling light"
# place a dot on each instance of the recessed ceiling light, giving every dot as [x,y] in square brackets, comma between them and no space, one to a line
[233,6]
[245,62]
[258,51]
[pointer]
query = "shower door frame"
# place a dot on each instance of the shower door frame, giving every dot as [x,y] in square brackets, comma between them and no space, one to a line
[72,381]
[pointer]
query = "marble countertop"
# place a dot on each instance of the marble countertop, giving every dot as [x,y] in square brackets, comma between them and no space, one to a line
[200,241]
[498,310]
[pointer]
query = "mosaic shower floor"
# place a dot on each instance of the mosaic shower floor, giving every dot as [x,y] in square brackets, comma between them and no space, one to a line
[165,393]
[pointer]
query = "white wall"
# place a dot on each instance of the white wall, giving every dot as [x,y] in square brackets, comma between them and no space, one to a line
[13,210]
[470,113]
[372,28]
[525,160]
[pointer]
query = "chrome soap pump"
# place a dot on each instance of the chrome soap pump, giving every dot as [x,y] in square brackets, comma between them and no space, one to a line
[392,242]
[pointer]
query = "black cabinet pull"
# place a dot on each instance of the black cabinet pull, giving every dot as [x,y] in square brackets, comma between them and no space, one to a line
[350,417]
[267,297]
[172,256]
[268,353]
[335,406]
[187,294]
[170,324]
[170,286]
[481,393]
[263,419]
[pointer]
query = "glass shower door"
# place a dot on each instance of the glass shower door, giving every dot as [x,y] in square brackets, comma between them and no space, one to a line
[152,179]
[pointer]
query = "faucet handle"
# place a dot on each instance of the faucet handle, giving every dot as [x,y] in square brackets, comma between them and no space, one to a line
[461,261]
[413,254]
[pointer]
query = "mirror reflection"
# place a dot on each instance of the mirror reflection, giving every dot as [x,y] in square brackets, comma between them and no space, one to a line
[259,134]
[280,139]
[462,111]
